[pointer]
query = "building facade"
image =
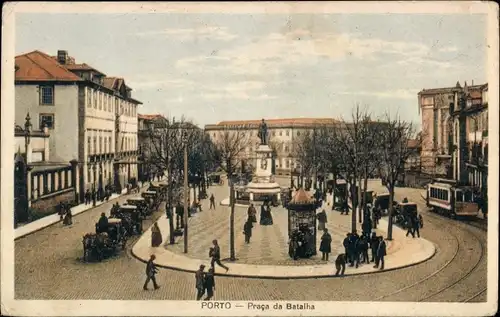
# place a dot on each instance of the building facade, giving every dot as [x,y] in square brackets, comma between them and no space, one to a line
[283,137]
[437,128]
[92,118]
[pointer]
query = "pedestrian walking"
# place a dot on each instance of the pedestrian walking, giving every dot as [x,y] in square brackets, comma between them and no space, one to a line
[340,264]
[212,201]
[325,246]
[416,226]
[151,271]
[381,253]
[410,227]
[200,282]
[210,284]
[87,197]
[215,254]
[247,230]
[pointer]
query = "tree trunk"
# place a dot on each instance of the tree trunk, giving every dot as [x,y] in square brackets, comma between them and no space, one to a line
[359,194]
[170,209]
[352,186]
[231,234]
[391,199]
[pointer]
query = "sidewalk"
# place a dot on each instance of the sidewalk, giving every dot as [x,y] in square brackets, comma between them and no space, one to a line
[401,252]
[54,218]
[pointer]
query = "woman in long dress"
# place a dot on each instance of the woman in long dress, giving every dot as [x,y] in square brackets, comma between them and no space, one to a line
[156,238]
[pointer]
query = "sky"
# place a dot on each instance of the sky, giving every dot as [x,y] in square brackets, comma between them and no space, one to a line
[215,67]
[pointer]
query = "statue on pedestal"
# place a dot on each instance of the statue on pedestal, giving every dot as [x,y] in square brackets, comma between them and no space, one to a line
[263,133]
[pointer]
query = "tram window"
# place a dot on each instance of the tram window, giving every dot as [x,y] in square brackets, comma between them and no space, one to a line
[459,195]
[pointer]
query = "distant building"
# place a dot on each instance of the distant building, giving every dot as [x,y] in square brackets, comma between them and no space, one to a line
[147,124]
[283,135]
[91,118]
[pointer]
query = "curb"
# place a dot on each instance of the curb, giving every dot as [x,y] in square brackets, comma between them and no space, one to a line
[268,277]
[58,221]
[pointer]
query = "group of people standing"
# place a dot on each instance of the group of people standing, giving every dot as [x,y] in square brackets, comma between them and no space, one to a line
[97,195]
[65,214]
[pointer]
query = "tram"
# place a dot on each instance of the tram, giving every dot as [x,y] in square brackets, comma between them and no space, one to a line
[446,197]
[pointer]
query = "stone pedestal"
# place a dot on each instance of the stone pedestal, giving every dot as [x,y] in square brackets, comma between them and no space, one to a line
[263,183]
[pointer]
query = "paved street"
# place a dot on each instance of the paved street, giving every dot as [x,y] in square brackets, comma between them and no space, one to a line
[47,266]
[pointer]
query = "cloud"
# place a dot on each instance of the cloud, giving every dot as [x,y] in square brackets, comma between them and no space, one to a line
[272,53]
[240,95]
[390,94]
[203,32]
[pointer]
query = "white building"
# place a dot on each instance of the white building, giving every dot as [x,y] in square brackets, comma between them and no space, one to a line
[91,118]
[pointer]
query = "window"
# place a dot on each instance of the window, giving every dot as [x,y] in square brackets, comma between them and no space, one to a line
[287,163]
[298,133]
[89,146]
[47,120]
[110,147]
[460,196]
[46,95]
[95,145]
[105,145]
[100,144]
[274,133]
[95,99]
[286,148]
[287,133]
[89,98]
[100,100]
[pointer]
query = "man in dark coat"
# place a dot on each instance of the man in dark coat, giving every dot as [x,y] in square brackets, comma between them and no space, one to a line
[212,201]
[381,253]
[210,284]
[87,197]
[353,252]
[151,271]
[200,282]
[326,245]
[416,226]
[215,254]
[340,264]
[247,229]
[363,249]
[346,245]
[102,224]
[410,227]
[374,246]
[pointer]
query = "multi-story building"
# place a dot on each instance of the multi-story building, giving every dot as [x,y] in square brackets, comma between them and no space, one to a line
[437,126]
[91,118]
[283,137]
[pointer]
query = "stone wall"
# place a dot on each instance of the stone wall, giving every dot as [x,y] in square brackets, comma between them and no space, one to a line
[48,205]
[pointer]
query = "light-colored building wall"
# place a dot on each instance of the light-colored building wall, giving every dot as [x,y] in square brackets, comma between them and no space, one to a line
[64,134]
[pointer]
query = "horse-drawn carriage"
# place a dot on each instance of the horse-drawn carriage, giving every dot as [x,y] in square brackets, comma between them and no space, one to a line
[381,203]
[103,244]
[152,198]
[340,194]
[141,205]
[405,213]
[215,178]
[131,218]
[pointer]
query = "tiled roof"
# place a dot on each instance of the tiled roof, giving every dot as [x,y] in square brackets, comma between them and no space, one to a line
[38,66]
[109,82]
[271,122]
[150,116]
[82,67]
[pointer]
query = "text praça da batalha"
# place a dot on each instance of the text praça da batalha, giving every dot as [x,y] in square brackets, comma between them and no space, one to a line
[258,306]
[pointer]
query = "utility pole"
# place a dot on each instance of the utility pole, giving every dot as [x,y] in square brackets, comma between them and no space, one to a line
[186,193]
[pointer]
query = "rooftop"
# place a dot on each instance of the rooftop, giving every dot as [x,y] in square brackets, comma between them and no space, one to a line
[38,66]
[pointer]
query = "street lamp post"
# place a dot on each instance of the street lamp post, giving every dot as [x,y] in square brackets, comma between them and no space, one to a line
[186,192]
[94,194]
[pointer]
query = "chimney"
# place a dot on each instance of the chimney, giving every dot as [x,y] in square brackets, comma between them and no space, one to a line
[62,57]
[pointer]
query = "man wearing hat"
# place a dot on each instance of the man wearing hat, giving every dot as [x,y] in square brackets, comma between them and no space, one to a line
[150,273]
[200,282]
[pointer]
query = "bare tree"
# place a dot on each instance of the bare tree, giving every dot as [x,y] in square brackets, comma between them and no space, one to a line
[227,150]
[394,138]
[166,146]
[304,150]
